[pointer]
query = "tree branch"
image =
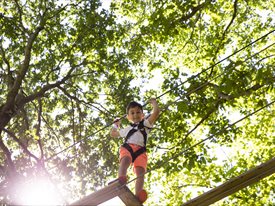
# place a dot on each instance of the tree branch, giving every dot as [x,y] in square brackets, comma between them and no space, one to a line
[213,109]
[38,129]
[20,11]
[44,89]
[264,58]
[224,33]
[23,68]
[243,93]
[10,79]
[52,131]
[194,10]
[21,144]
[7,153]
[232,19]
[78,100]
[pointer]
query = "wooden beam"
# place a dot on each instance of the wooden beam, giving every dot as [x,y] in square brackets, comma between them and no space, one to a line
[101,195]
[128,198]
[234,184]
[109,192]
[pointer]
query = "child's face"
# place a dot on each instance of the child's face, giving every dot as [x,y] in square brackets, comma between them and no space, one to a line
[135,114]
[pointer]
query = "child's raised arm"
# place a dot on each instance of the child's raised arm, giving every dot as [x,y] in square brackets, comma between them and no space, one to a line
[155,112]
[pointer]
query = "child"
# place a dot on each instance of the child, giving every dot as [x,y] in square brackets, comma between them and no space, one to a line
[133,151]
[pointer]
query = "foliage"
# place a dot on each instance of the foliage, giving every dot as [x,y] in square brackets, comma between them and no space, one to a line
[68,68]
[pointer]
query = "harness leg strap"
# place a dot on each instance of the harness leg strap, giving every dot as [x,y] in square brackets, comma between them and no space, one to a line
[136,153]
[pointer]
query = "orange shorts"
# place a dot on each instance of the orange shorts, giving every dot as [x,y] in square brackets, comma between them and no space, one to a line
[140,161]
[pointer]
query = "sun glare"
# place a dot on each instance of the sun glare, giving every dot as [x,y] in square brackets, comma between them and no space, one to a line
[39,192]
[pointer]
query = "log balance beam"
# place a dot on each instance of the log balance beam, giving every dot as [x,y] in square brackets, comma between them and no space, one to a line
[234,184]
[110,191]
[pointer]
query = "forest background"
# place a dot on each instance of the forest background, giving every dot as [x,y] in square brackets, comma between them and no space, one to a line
[69,68]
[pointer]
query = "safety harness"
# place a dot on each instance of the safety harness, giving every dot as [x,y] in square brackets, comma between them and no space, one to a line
[140,127]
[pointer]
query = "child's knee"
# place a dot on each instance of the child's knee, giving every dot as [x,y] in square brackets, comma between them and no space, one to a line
[139,171]
[126,160]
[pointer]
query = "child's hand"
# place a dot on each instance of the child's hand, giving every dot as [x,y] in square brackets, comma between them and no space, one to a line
[116,123]
[153,101]
[155,112]
[114,131]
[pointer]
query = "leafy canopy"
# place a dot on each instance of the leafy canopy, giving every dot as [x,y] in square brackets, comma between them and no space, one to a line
[68,68]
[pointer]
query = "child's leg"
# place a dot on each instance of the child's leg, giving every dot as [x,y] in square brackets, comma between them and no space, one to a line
[125,160]
[123,166]
[140,165]
[140,179]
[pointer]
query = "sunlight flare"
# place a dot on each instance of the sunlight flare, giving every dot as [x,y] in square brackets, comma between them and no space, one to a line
[39,192]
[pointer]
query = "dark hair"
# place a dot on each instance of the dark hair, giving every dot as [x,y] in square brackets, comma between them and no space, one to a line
[132,105]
